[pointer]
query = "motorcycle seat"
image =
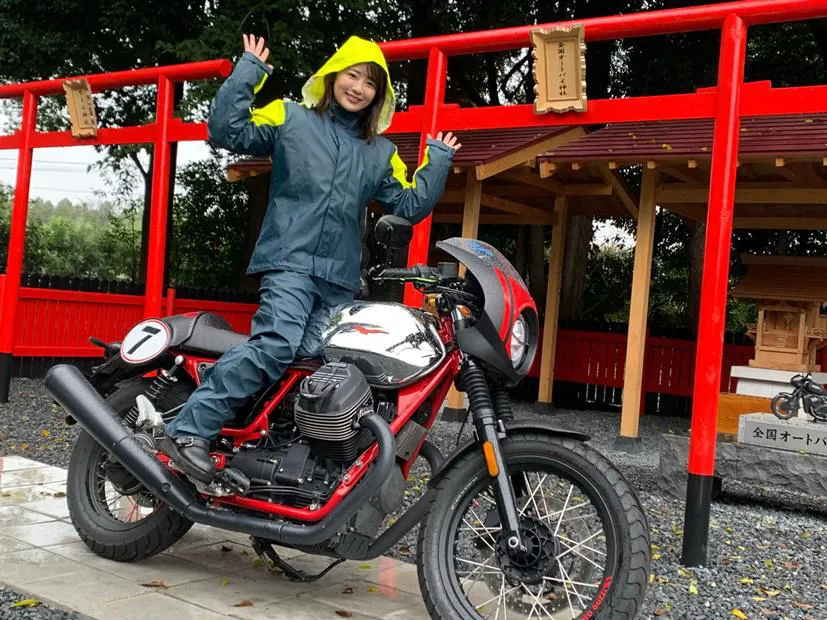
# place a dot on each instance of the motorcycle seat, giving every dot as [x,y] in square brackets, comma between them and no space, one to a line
[203,333]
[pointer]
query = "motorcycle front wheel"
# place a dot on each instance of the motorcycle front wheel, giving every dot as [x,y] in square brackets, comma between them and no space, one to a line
[586,538]
[784,405]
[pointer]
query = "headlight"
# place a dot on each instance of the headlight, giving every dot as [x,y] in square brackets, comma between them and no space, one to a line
[519,343]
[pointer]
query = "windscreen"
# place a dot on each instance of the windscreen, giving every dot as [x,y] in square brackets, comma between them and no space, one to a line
[488,254]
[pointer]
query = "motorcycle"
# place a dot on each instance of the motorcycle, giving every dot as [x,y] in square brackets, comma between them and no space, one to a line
[523,520]
[807,394]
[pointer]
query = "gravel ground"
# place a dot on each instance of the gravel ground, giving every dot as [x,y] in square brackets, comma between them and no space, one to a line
[28,608]
[766,547]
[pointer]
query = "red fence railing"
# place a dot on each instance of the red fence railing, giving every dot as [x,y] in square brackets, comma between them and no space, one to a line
[58,323]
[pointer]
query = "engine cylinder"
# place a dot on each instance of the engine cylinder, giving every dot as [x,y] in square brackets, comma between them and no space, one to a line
[328,408]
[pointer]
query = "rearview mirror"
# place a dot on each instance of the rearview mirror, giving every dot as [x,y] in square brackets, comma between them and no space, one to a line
[393,232]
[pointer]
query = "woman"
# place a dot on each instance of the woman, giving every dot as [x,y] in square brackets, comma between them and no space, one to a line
[329,162]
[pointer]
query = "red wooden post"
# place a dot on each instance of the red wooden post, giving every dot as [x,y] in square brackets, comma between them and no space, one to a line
[434,97]
[714,291]
[17,242]
[160,199]
[169,307]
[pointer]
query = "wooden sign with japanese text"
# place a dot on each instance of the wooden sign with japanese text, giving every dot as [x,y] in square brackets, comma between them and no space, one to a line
[559,69]
[81,109]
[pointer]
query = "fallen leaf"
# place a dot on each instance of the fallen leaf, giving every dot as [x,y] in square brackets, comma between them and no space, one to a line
[245,552]
[44,432]
[59,494]
[655,556]
[245,603]
[801,605]
[768,564]
[258,563]
[683,572]
[347,590]
[739,614]
[759,599]
[225,549]
[791,565]
[660,611]
[365,566]
[373,589]
[155,584]
[769,592]
[693,586]
[746,581]
[651,577]
[27,602]
[344,614]
[406,550]
[225,582]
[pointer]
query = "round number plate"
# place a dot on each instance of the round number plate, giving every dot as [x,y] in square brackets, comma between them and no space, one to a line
[147,340]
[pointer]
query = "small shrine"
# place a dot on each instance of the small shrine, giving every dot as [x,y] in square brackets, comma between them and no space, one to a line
[790,292]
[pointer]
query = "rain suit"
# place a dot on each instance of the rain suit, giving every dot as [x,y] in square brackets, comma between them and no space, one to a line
[308,252]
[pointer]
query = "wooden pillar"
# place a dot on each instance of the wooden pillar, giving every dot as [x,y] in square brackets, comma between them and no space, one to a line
[455,406]
[555,281]
[638,310]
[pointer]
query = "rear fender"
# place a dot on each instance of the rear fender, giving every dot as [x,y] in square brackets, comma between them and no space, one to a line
[512,427]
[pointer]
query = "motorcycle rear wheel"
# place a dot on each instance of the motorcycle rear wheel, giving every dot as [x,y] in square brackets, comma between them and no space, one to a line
[587,538]
[111,512]
[784,406]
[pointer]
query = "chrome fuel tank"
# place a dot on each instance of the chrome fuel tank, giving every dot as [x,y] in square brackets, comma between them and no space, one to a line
[392,344]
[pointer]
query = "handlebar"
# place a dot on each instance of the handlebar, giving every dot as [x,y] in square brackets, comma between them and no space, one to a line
[417,272]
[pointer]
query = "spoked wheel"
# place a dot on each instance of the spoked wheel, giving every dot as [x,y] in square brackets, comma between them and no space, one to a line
[784,405]
[112,512]
[585,536]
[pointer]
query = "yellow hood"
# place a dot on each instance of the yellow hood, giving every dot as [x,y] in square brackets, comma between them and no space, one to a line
[354,51]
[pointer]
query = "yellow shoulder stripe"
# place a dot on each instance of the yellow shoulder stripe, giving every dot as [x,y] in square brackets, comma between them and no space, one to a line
[271,114]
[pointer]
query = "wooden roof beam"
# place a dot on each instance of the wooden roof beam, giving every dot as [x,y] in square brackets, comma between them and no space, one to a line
[495,219]
[527,177]
[620,189]
[690,175]
[781,223]
[526,153]
[517,208]
[747,196]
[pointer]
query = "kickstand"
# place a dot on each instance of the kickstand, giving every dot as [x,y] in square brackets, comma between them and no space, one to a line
[274,563]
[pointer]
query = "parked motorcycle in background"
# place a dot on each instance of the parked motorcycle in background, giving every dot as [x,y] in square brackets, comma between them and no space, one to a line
[522,521]
[807,394]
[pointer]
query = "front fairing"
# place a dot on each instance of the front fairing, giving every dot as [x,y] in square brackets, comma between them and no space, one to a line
[505,297]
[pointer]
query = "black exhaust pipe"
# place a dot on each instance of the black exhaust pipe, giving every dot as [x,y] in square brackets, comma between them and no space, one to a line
[82,401]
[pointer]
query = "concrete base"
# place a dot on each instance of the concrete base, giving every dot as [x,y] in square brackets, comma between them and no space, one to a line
[450,414]
[630,445]
[795,434]
[746,463]
[543,408]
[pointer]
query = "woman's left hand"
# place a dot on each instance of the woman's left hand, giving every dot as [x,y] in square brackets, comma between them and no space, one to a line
[449,140]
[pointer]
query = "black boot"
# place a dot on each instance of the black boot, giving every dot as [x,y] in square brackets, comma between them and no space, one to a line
[191,455]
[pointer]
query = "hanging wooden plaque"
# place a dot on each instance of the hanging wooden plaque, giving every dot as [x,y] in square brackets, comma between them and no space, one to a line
[559,69]
[81,108]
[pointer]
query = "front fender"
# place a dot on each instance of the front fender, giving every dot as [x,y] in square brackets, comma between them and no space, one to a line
[512,427]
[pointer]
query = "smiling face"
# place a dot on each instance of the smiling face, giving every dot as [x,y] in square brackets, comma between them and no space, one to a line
[355,88]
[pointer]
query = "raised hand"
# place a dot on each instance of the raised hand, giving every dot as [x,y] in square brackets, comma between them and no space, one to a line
[449,139]
[256,46]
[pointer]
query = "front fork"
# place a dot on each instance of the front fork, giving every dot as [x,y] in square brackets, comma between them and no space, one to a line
[489,430]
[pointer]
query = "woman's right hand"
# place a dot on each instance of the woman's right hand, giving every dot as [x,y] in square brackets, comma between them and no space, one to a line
[256,46]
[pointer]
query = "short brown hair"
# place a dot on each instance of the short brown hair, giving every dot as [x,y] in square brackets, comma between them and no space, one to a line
[369,123]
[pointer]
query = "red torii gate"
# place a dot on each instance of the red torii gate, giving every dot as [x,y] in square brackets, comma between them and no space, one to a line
[723,104]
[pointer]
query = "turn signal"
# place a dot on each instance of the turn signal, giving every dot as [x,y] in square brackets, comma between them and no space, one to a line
[490,460]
